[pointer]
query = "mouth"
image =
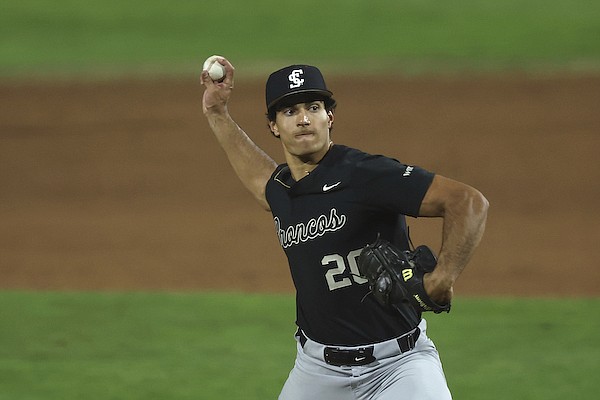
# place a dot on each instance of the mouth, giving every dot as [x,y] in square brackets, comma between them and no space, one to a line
[304,134]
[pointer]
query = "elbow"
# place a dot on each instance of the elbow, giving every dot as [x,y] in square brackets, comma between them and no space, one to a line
[467,201]
[477,204]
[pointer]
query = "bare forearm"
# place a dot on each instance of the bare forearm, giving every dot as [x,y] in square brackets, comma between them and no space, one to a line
[251,164]
[464,211]
[462,230]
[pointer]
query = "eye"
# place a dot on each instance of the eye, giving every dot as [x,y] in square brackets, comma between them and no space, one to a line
[289,111]
[315,107]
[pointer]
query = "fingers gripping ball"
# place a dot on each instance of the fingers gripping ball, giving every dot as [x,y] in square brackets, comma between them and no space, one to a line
[396,277]
[216,71]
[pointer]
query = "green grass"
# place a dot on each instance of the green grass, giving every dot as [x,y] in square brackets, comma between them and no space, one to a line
[143,346]
[67,36]
[524,349]
[240,346]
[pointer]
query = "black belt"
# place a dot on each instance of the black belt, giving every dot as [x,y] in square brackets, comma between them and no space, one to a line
[361,355]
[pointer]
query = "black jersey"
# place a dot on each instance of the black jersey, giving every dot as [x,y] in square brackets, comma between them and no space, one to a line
[324,220]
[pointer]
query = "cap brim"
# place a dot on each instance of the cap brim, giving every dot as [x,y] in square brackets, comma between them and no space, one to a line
[300,96]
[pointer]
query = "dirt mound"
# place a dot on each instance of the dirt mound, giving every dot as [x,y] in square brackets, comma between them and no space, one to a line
[120,185]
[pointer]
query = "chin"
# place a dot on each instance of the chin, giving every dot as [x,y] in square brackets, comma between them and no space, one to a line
[307,149]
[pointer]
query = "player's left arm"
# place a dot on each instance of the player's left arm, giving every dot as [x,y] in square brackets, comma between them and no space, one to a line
[464,212]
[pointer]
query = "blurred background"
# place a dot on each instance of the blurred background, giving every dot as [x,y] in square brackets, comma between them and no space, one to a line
[115,195]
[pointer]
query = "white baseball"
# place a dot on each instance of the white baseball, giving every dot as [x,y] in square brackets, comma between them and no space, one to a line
[215,70]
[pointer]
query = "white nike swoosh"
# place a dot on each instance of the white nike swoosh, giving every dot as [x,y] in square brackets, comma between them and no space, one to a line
[327,187]
[359,359]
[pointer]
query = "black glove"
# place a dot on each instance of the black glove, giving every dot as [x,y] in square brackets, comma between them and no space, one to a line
[396,277]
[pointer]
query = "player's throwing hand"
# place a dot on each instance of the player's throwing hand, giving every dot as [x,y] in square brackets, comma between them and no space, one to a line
[217,94]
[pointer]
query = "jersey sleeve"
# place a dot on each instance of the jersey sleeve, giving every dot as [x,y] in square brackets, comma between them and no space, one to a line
[389,184]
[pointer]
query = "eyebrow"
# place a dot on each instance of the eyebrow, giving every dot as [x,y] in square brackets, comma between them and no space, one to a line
[306,103]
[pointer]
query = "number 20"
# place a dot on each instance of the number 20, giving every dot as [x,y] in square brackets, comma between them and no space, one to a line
[333,275]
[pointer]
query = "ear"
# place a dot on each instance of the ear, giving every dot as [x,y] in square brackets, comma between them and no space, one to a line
[274,130]
[331,119]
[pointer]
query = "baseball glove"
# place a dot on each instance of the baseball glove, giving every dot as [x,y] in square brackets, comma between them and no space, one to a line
[396,277]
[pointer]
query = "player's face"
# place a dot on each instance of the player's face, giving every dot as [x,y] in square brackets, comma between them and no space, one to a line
[304,130]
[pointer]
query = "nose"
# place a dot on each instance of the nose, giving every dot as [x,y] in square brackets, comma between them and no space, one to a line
[304,121]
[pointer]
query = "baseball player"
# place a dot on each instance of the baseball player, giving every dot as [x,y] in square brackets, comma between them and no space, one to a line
[328,202]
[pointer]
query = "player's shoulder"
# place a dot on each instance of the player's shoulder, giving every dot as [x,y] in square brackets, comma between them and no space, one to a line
[352,156]
[362,160]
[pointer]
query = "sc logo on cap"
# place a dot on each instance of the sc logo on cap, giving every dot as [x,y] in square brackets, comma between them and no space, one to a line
[295,78]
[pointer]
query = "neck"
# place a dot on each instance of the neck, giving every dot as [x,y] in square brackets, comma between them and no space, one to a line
[301,167]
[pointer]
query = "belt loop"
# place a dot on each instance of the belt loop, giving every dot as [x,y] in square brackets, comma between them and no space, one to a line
[407,342]
[301,337]
[411,340]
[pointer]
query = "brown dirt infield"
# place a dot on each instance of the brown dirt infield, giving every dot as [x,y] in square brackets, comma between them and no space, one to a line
[119,185]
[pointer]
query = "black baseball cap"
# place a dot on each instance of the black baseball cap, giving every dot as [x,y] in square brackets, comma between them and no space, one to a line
[295,84]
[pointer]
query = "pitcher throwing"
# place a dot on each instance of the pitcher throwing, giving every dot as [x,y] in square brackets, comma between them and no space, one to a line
[339,212]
